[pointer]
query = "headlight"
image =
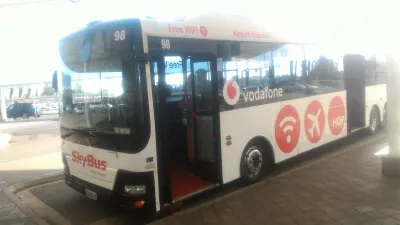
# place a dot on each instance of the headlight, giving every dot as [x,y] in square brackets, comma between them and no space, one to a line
[135,189]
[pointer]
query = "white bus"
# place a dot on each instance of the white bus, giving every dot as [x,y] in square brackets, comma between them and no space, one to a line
[153,112]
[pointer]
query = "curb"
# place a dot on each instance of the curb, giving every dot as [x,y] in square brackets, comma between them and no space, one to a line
[12,189]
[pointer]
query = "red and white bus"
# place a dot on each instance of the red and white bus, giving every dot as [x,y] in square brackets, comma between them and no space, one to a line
[156,112]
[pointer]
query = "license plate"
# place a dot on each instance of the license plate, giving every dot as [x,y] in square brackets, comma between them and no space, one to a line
[91,194]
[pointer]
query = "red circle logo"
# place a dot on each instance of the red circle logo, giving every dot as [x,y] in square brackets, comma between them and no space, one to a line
[231,92]
[287,129]
[336,115]
[314,121]
[203,30]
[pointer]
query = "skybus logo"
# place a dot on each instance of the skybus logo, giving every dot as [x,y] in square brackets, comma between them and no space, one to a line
[231,93]
[88,160]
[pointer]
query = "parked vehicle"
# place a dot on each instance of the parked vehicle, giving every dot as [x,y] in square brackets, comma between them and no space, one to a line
[24,110]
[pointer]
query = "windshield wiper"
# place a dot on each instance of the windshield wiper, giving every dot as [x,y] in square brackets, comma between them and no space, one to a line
[73,131]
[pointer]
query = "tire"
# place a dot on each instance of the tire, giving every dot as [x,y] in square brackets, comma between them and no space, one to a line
[255,162]
[374,120]
[25,116]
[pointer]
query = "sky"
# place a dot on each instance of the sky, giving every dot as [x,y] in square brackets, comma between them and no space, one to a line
[30,32]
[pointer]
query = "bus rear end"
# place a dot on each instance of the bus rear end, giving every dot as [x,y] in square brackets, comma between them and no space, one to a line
[104,115]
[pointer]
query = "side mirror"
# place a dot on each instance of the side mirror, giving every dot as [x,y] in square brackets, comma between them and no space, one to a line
[55,81]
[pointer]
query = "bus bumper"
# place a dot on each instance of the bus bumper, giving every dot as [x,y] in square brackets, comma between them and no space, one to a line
[118,195]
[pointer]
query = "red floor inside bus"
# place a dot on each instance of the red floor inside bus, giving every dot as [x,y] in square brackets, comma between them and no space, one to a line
[184,183]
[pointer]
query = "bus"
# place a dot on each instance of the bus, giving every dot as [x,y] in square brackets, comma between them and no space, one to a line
[153,113]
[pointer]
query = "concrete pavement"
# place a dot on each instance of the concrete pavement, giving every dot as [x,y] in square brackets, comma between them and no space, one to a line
[347,188]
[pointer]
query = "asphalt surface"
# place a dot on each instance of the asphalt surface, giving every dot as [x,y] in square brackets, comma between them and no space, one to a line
[78,209]
[29,157]
[81,210]
[48,124]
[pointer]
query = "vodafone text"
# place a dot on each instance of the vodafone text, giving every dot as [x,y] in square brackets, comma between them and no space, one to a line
[88,160]
[262,94]
[253,34]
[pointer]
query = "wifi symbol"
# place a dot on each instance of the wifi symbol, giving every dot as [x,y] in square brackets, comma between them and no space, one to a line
[287,127]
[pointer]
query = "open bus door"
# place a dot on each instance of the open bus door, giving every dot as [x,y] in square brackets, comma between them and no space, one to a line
[203,117]
[354,73]
[186,125]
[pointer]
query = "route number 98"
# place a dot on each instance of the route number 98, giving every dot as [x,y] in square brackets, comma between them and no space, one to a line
[119,35]
[165,44]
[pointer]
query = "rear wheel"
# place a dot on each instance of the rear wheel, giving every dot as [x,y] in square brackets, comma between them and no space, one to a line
[255,162]
[374,120]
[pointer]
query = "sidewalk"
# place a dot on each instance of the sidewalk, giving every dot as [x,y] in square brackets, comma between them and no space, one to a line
[10,214]
[19,163]
[347,189]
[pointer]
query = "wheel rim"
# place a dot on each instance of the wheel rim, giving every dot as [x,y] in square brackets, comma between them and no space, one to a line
[253,161]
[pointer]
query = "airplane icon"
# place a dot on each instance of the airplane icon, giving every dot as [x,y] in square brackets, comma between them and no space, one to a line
[315,123]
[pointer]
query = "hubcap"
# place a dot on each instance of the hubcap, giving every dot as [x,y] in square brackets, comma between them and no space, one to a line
[253,161]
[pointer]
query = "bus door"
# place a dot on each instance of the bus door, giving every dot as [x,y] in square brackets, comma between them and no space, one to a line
[203,117]
[160,95]
[186,114]
[354,72]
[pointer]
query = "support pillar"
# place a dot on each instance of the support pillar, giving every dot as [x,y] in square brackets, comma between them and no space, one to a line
[3,106]
[391,162]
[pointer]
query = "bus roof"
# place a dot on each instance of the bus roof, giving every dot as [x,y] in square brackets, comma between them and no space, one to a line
[218,26]
[213,26]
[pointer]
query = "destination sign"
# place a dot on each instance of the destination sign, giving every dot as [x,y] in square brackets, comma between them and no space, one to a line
[181,45]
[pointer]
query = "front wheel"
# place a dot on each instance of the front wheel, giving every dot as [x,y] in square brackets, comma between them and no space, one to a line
[254,163]
[374,120]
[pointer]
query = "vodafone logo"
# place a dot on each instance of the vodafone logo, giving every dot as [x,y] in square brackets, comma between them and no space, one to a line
[231,92]
[203,30]
[287,129]
[336,115]
[314,121]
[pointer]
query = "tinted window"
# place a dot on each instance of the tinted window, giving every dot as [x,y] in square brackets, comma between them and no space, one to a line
[270,72]
[376,72]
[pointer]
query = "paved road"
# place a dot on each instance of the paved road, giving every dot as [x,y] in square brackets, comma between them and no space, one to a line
[74,207]
[31,130]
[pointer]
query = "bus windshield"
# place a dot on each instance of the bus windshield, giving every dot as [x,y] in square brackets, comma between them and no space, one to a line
[103,100]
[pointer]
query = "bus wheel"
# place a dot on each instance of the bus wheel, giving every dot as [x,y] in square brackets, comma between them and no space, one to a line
[254,163]
[374,120]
